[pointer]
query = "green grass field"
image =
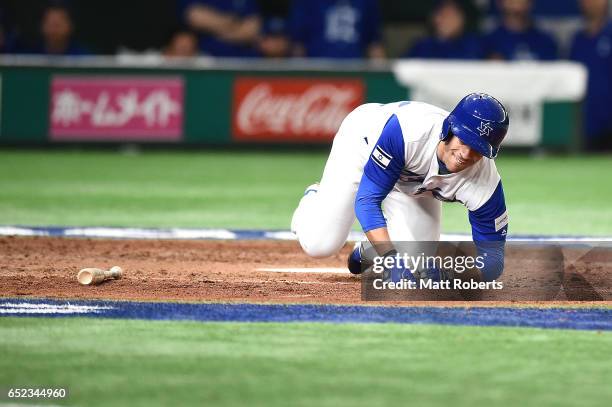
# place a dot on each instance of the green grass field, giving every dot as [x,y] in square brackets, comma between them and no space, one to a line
[145,363]
[152,363]
[554,195]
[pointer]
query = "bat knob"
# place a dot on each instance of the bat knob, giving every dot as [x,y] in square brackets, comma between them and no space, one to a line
[116,272]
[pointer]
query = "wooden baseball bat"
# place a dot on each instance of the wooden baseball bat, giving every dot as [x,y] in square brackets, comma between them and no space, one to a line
[92,276]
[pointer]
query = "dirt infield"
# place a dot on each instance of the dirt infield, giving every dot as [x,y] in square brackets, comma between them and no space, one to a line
[226,271]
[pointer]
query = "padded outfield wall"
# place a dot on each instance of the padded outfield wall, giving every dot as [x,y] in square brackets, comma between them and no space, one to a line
[208,102]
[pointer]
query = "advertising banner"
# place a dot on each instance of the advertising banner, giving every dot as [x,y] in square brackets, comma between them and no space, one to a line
[292,109]
[90,108]
[523,87]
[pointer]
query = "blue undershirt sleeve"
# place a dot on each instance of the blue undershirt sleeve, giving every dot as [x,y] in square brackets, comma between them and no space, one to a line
[489,229]
[380,174]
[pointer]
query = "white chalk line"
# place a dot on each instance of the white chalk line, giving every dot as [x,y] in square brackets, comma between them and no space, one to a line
[226,234]
[29,405]
[121,233]
[321,270]
[29,308]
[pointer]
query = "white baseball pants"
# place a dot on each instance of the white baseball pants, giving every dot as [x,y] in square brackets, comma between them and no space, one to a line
[323,219]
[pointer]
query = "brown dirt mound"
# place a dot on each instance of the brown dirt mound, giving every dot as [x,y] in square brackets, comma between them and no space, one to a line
[226,271]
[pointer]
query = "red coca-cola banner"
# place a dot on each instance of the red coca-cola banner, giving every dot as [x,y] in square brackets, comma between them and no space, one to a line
[292,109]
[116,108]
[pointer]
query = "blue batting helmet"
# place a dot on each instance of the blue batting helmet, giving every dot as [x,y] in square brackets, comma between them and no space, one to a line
[480,121]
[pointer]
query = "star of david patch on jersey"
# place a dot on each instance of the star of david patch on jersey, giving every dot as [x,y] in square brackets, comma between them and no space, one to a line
[381,157]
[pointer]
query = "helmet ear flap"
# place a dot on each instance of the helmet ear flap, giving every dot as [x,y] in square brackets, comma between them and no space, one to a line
[446,129]
[449,134]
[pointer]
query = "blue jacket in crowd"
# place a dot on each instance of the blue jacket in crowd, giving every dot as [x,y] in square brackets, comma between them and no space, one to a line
[335,29]
[595,52]
[533,44]
[211,45]
[468,46]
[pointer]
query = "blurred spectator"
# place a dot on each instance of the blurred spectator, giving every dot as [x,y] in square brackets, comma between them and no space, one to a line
[517,38]
[274,42]
[336,29]
[449,39]
[6,37]
[593,47]
[57,33]
[183,44]
[227,28]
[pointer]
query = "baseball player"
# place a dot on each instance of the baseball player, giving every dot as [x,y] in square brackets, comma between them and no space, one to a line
[392,165]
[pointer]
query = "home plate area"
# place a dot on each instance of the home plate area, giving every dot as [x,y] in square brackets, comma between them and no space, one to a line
[256,271]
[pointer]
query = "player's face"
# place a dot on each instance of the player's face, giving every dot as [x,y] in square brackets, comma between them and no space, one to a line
[594,8]
[56,25]
[183,45]
[458,156]
[516,7]
[448,21]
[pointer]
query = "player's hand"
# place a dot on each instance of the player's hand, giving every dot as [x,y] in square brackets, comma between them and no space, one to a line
[397,272]
[207,19]
[435,274]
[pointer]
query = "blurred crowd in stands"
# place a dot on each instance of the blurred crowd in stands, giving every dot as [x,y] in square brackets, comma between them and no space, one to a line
[349,29]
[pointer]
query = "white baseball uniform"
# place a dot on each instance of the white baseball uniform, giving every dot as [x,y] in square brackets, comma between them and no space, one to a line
[387,152]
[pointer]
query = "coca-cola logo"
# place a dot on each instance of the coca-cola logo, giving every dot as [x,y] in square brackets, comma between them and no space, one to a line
[292,109]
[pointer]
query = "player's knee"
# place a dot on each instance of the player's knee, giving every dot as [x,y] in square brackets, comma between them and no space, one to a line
[319,248]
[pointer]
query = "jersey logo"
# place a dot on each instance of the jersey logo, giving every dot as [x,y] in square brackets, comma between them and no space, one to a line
[409,176]
[501,221]
[484,129]
[437,194]
[381,157]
